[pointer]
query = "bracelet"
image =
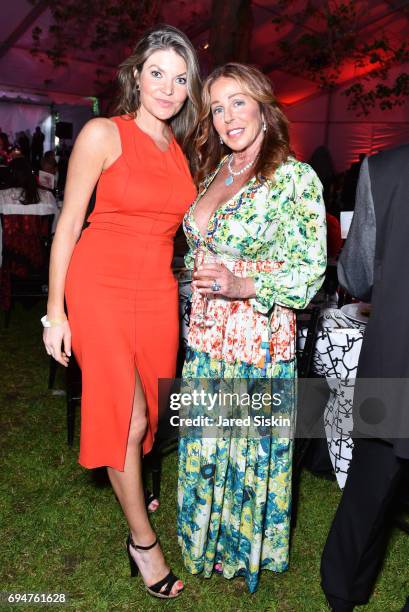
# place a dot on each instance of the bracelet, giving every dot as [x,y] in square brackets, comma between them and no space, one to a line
[51,322]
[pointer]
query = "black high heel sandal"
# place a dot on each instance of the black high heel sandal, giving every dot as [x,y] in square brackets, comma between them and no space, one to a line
[155,589]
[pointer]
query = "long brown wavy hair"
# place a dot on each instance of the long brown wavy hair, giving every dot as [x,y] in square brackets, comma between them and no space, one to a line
[275,147]
[162,37]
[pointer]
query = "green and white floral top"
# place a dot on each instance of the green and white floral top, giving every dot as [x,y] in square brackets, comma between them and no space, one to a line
[274,232]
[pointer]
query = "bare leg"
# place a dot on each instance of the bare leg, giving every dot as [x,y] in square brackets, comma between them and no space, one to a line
[128,487]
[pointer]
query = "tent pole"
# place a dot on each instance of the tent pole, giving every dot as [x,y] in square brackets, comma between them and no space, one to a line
[230,33]
[52,135]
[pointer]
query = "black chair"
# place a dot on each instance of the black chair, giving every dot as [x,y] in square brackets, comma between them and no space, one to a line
[52,372]
[152,463]
[304,369]
[73,384]
[305,357]
[24,273]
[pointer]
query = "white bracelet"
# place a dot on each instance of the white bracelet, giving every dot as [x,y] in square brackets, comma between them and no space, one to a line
[50,322]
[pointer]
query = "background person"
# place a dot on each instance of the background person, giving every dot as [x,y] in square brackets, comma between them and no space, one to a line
[37,148]
[372,266]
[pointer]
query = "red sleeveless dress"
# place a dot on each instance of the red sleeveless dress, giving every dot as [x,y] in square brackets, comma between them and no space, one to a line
[121,294]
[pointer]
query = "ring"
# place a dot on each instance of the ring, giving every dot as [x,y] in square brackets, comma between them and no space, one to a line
[216,287]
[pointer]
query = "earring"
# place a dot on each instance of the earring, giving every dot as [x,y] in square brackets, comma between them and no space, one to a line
[221,140]
[135,75]
[264,126]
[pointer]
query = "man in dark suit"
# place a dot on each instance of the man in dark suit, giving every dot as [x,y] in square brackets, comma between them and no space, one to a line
[374,266]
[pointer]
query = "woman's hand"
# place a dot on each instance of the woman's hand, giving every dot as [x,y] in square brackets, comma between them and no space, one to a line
[231,286]
[55,338]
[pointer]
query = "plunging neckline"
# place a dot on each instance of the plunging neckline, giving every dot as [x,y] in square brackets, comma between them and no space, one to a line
[218,208]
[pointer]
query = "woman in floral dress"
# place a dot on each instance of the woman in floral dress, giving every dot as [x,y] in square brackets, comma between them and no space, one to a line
[260,213]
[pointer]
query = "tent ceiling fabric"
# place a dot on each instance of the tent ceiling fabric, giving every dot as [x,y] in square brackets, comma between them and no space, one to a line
[19,68]
[316,117]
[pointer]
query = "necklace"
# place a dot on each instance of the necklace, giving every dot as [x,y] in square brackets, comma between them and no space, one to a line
[233,173]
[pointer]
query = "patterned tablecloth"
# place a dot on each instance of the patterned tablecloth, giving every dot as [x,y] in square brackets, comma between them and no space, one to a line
[184,278]
[336,355]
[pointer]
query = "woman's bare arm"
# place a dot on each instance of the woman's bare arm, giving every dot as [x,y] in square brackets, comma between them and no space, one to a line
[97,146]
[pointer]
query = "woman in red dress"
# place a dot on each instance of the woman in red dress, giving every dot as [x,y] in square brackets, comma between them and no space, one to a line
[120,291]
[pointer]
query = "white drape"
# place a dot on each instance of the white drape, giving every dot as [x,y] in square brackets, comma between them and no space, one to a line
[19,117]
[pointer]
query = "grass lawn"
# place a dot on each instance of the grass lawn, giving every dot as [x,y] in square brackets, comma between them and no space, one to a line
[63,531]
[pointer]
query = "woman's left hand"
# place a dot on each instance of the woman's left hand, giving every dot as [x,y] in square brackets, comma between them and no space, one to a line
[207,275]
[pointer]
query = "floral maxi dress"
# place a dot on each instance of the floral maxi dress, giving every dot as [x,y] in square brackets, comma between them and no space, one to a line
[234,493]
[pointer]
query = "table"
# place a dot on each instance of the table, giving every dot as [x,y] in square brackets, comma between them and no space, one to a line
[337,348]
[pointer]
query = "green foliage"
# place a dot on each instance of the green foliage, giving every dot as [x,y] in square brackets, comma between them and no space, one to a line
[95,105]
[333,39]
[110,27]
[384,96]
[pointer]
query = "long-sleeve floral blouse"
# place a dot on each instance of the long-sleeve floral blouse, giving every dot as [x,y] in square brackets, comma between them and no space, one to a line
[274,232]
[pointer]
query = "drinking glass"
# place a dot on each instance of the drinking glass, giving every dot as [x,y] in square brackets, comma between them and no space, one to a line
[201,317]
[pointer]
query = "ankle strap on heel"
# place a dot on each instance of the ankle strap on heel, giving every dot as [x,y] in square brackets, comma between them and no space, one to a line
[137,546]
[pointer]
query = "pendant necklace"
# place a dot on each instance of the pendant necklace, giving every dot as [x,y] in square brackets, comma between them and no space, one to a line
[232,173]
